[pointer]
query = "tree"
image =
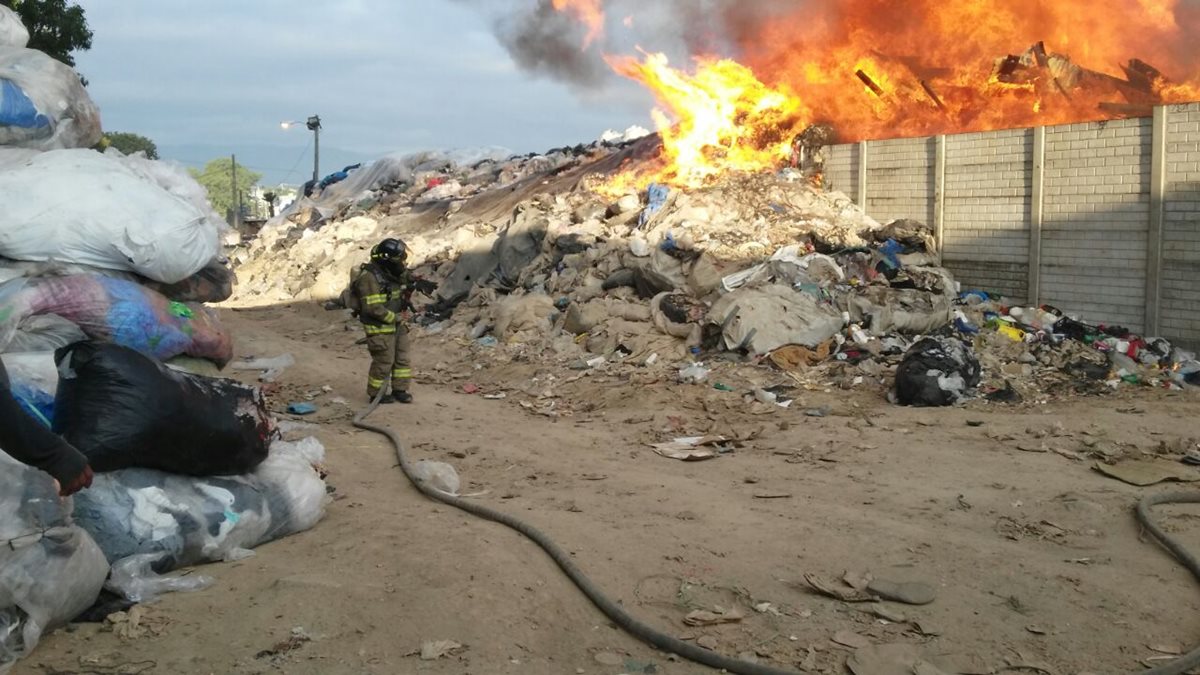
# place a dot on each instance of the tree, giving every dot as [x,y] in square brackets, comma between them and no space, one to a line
[128,143]
[217,179]
[54,27]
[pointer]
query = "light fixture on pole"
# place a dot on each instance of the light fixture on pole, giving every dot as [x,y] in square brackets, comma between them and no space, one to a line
[313,124]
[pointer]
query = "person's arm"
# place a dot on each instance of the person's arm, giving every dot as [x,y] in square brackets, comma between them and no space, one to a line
[373,299]
[27,441]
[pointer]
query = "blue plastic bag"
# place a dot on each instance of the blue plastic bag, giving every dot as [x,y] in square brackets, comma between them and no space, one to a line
[18,110]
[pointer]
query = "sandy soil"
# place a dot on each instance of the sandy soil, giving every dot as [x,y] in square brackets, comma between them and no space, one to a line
[1035,557]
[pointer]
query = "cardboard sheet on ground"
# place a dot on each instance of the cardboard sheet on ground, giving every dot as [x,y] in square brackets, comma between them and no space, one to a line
[691,448]
[1143,472]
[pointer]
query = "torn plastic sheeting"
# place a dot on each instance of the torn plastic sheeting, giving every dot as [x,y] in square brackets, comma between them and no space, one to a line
[33,381]
[271,368]
[117,311]
[135,579]
[197,520]
[394,168]
[900,310]
[44,105]
[116,217]
[50,569]
[766,318]
[823,268]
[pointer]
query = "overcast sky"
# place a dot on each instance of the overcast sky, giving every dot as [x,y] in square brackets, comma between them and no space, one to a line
[206,79]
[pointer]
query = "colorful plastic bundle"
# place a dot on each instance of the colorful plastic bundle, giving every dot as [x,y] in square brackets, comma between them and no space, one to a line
[117,311]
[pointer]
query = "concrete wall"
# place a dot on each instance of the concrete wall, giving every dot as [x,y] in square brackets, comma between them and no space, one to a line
[1181,227]
[985,234]
[1099,219]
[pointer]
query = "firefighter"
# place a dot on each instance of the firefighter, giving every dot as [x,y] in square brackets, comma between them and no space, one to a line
[383,289]
[27,441]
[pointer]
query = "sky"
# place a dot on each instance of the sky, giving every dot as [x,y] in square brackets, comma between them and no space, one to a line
[213,78]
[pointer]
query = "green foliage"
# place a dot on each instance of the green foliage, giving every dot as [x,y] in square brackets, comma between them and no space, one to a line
[55,27]
[217,180]
[128,143]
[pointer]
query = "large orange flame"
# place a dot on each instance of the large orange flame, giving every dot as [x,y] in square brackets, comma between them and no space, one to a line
[875,69]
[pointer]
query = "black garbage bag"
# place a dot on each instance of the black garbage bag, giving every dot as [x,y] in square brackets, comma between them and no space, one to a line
[937,371]
[124,409]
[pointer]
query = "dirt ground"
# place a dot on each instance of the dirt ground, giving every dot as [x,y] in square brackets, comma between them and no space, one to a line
[1035,557]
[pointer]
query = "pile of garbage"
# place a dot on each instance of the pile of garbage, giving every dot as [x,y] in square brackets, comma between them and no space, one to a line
[534,254]
[106,262]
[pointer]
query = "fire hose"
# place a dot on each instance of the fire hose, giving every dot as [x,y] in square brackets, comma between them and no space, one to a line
[695,653]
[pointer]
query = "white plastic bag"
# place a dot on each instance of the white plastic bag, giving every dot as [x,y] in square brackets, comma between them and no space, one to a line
[195,520]
[271,368]
[83,207]
[50,569]
[12,32]
[134,579]
[172,177]
[439,475]
[47,106]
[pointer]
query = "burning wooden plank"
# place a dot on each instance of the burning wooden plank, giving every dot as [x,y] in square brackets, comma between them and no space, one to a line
[937,100]
[1142,75]
[866,79]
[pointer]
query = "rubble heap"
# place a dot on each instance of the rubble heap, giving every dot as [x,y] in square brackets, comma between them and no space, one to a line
[532,254]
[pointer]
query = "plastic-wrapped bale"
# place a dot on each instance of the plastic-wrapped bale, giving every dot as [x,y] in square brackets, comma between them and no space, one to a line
[117,311]
[33,381]
[936,371]
[87,208]
[12,32]
[50,569]
[213,283]
[123,409]
[172,177]
[43,104]
[196,520]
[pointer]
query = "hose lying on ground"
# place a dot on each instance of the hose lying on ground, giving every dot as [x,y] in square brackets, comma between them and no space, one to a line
[1190,660]
[611,609]
[696,653]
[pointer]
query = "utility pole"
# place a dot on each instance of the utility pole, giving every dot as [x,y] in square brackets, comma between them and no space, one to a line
[314,124]
[233,193]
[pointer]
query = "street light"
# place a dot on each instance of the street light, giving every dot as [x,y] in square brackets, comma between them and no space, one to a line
[313,124]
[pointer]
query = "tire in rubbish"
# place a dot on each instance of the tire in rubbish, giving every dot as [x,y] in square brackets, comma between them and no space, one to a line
[123,409]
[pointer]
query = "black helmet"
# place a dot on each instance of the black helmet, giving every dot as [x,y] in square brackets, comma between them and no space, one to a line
[391,250]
